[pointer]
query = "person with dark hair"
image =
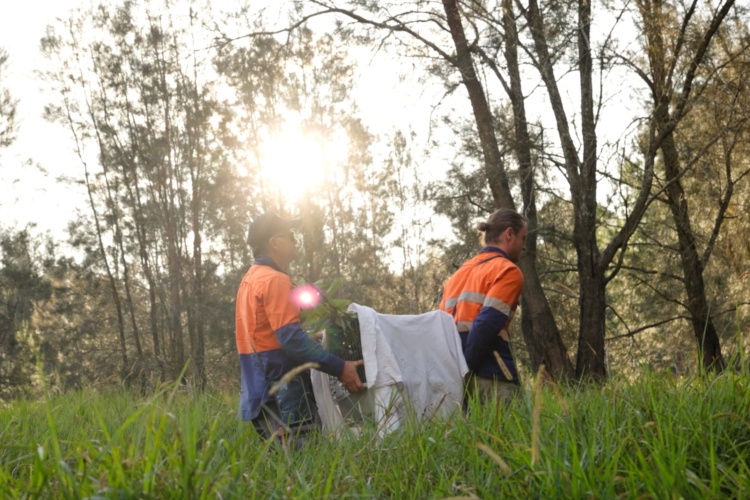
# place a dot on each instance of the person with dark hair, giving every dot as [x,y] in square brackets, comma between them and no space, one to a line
[482,295]
[271,342]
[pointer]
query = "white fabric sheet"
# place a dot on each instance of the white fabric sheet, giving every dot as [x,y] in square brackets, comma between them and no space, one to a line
[412,363]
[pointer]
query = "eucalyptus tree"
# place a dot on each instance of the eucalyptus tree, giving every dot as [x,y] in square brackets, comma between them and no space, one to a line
[437,33]
[553,38]
[295,93]
[138,101]
[702,158]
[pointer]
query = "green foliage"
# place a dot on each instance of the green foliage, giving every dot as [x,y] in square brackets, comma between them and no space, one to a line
[24,286]
[8,125]
[658,438]
[341,327]
[175,129]
[329,311]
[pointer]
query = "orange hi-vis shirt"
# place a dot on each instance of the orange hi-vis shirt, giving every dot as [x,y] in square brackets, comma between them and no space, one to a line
[263,306]
[270,340]
[482,296]
[483,280]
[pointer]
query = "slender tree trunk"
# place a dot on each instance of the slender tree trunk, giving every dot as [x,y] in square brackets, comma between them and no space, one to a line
[540,333]
[175,301]
[654,16]
[493,163]
[591,359]
[141,232]
[128,294]
[125,270]
[110,276]
[138,149]
[112,201]
[169,187]
[706,336]
[198,342]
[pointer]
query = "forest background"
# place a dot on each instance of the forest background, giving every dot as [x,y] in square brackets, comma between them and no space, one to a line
[619,129]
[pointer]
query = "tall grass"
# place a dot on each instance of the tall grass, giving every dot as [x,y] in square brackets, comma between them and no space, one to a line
[660,437]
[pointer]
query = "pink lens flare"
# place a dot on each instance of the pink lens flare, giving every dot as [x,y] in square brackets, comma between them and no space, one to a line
[306,296]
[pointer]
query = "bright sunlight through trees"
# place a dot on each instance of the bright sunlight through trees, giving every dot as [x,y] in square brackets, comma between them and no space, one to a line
[298,161]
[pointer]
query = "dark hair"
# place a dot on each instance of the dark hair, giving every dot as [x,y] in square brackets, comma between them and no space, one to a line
[499,221]
[259,249]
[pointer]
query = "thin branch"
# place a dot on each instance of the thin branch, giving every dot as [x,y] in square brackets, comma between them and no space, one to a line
[399,26]
[644,328]
[724,203]
[493,66]
[653,273]
[661,294]
[698,58]
[647,80]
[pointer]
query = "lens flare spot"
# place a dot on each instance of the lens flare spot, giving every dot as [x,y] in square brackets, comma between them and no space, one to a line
[306,296]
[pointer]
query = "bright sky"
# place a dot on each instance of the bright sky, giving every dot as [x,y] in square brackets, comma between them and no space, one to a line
[42,152]
[28,192]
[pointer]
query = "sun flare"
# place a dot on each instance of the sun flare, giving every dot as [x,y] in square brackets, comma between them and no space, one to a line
[296,162]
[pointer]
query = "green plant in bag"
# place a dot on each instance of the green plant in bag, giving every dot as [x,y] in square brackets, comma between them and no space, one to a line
[342,335]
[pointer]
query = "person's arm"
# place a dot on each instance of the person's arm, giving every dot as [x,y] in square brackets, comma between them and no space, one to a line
[302,349]
[501,300]
[484,329]
[283,314]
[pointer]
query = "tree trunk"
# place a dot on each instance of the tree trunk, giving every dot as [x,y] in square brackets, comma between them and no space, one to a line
[197,346]
[125,271]
[175,302]
[493,162]
[654,16]
[540,333]
[706,336]
[118,240]
[140,223]
[591,359]
[110,277]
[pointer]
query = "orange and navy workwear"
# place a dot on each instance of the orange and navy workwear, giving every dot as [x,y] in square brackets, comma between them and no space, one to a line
[482,296]
[270,340]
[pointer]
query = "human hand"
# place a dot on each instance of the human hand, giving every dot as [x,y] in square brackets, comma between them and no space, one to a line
[349,376]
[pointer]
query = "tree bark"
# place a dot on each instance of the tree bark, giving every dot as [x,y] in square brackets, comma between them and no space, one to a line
[110,276]
[706,336]
[654,18]
[540,333]
[493,163]
[590,359]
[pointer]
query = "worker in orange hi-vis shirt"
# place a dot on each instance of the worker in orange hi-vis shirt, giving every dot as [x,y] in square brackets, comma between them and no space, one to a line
[482,296]
[271,342]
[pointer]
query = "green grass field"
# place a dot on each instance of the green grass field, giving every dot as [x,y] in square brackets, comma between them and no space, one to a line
[658,438]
